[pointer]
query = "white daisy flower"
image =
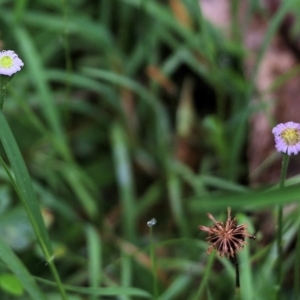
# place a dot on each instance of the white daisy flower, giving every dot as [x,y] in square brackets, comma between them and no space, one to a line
[10,63]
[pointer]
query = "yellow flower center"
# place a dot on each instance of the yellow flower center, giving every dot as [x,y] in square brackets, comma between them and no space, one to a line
[6,62]
[291,136]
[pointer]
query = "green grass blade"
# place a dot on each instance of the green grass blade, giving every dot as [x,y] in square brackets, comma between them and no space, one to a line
[126,273]
[91,32]
[25,186]
[131,84]
[28,196]
[176,204]
[37,74]
[125,180]
[178,286]
[109,97]
[205,278]
[245,201]
[244,261]
[16,266]
[73,176]
[94,256]
[105,291]
[161,126]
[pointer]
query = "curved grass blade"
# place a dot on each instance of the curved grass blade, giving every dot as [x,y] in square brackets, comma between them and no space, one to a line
[17,267]
[53,117]
[27,196]
[245,201]
[125,180]
[105,291]
[94,255]
[24,185]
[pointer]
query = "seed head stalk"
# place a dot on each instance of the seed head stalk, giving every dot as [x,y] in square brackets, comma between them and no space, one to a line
[227,239]
[237,277]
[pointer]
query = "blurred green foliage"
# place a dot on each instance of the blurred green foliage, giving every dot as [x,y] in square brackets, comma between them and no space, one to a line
[127,110]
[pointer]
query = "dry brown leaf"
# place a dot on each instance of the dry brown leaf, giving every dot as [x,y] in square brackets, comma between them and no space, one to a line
[157,75]
[181,13]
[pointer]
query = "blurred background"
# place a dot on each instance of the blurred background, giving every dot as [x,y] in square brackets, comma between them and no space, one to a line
[128,110]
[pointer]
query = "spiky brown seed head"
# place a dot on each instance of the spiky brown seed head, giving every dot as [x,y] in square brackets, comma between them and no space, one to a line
[227,239]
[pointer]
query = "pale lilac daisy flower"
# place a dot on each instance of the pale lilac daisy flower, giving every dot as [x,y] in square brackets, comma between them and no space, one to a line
[10,63]
[287,137]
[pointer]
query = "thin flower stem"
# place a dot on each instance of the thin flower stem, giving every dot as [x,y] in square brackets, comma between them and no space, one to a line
[2,91]
[2,96]
[285,163]
[153,263]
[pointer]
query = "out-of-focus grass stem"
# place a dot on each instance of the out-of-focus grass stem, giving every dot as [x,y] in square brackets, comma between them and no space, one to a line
[205,277]
[67,59]
[285,163]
